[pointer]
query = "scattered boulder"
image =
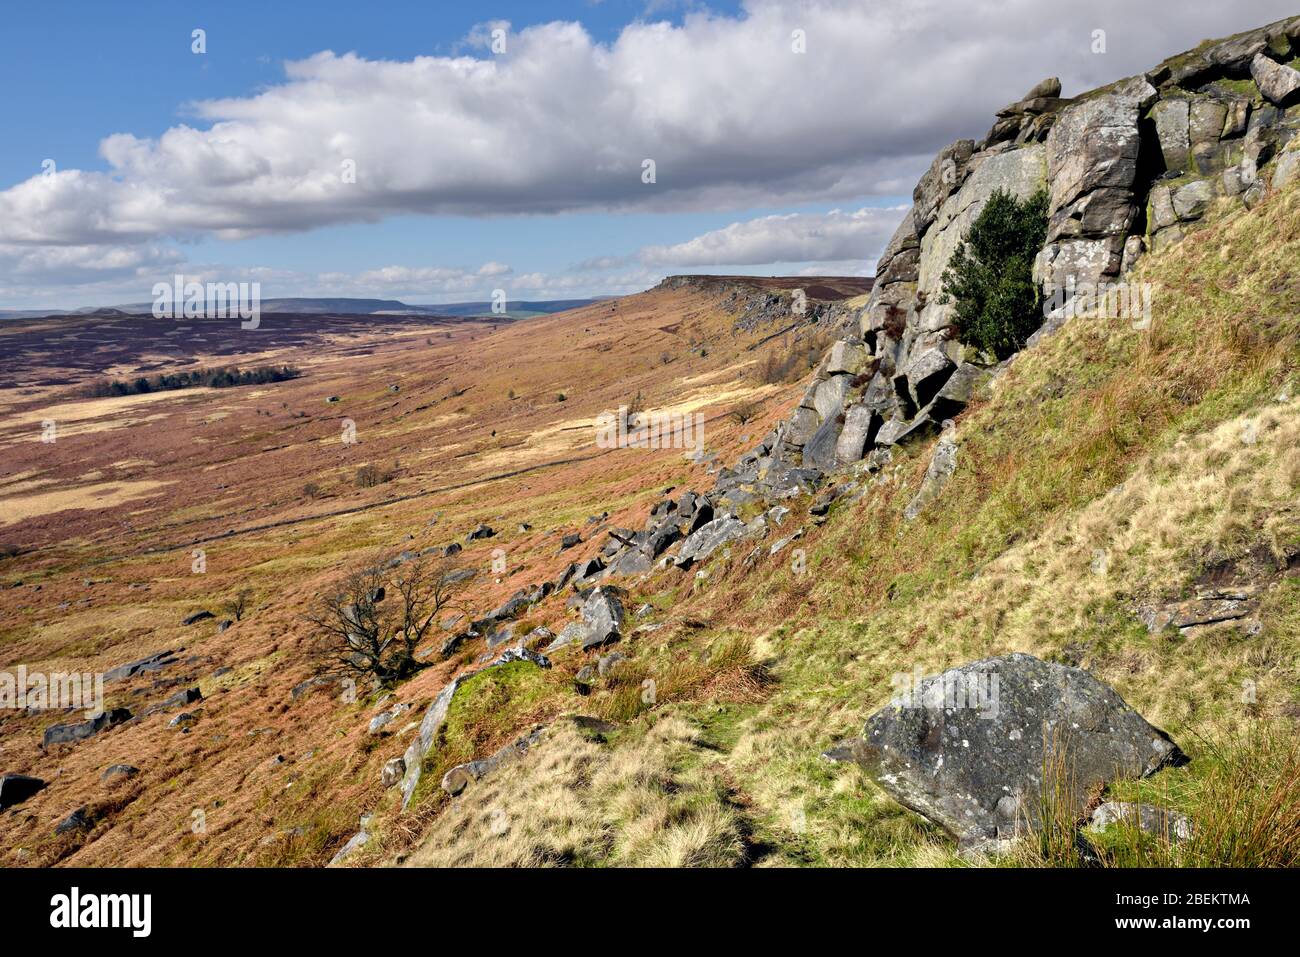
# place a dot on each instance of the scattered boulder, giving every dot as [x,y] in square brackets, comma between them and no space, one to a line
[155,662]
[570,540]
[78,820]
[703,542]
[607,663]
[483,531]
[781,543]
[583,571]
[196,617]
[584,679]
[633,561]
[520,653]
[311,684]
[1161,822]
[967,748]
[181,698]
[379,722]
[458,778]
[603,616]
[392,772]
[1211,607]
[354,844]
[118,772]
[17,788]
[81,730]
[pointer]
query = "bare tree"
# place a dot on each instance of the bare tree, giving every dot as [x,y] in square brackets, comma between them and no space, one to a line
[235,607]
[744,412]
[378,615]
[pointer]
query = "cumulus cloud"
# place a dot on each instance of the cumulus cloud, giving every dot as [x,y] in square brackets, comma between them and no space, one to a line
[728,112]
[836,236]
[732,117]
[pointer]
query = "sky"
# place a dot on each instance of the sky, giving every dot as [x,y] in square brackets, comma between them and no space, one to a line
[439,151]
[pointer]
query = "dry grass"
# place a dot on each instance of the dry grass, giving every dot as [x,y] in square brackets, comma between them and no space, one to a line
[572,801]
[22,508]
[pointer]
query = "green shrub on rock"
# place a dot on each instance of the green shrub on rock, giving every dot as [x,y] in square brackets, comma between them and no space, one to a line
[989,278]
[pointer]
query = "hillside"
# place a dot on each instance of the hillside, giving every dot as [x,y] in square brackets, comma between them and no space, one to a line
[668,656]
[467,422]
[1107,471]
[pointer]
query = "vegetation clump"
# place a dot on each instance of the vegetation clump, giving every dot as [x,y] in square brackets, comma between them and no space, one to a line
[222,377]
[990,276]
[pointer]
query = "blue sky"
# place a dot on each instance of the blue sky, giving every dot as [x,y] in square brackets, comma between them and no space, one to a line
[478,168]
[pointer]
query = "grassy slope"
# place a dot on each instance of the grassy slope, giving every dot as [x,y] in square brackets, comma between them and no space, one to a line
[1107,467]
[473,403]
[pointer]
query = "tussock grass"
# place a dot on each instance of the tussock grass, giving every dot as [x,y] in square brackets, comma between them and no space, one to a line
[572,801]
[1242,795]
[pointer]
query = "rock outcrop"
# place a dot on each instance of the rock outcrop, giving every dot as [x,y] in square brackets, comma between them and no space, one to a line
[1128,167]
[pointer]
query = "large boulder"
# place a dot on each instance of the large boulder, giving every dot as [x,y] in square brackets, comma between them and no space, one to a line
[708,539]
[603,616]
[848,356]
[1191,200]
[1172,117]
[1288,167]
[967,748]
[17,788]
[1281,84]
[829,397]
[80,730]
[857,432]
[820,452]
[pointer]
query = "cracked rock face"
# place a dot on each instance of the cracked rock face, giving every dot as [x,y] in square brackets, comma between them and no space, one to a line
[708,539]
[968,748]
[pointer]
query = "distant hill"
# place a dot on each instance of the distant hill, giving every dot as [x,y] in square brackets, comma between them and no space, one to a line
[515,309]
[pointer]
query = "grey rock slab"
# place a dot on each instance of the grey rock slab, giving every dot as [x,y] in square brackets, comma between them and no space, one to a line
[967,748]
[1281,84]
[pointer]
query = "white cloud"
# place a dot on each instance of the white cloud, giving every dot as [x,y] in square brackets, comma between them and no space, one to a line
[794,238]
[561,122]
